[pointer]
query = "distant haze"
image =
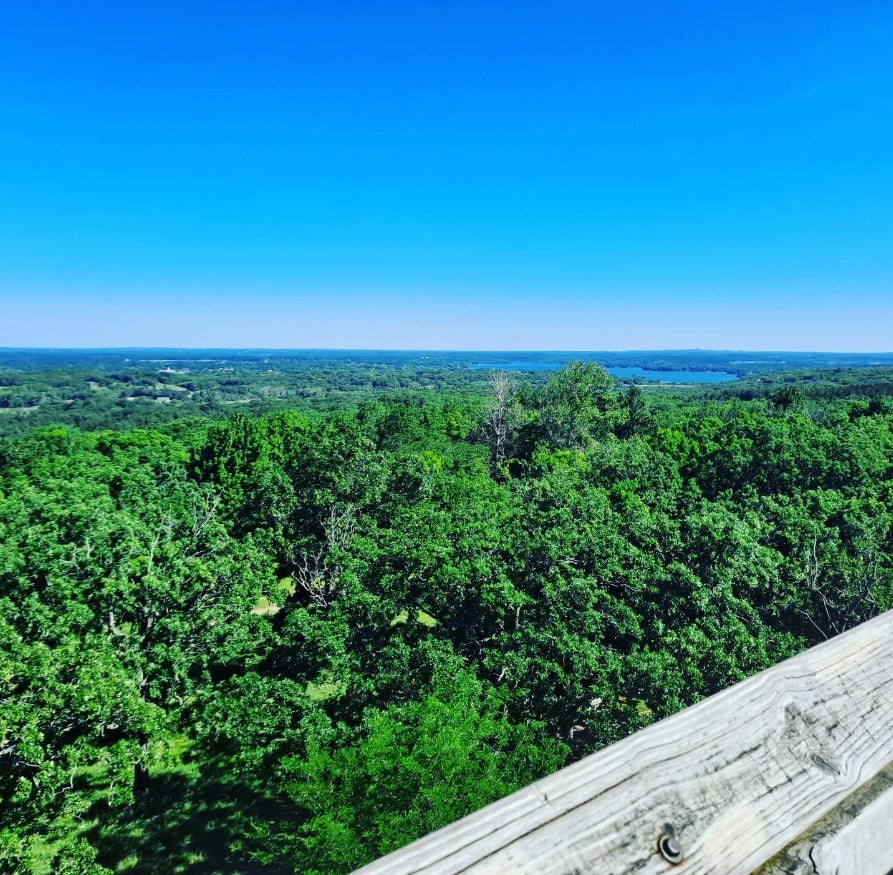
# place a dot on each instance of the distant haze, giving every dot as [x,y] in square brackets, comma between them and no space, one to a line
[437,322]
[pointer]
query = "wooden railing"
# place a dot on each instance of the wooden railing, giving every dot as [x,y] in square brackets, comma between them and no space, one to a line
[788,772]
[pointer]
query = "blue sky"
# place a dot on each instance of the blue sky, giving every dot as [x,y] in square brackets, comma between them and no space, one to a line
[449,175]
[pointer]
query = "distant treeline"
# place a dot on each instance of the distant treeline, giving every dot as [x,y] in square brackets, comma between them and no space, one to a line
[95,389]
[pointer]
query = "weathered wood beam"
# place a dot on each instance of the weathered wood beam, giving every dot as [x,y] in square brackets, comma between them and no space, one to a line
[761,767]
[855,837]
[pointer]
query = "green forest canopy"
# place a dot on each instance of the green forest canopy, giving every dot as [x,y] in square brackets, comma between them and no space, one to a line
[293,641]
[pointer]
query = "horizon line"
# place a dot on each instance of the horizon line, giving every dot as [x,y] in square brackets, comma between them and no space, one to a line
[443,350]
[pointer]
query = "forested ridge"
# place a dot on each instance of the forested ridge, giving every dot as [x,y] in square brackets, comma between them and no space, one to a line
[294,641]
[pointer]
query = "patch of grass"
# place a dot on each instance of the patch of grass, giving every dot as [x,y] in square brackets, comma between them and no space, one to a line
[421,617]
[426,619]
[264,607]
[641,706]
[287,585]
[41,855]
[325,688]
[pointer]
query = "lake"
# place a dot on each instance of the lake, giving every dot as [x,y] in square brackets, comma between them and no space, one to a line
[674,376]
[623,373]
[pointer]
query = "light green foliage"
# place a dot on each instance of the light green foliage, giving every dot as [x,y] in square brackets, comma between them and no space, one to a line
[579,406]
[406,771]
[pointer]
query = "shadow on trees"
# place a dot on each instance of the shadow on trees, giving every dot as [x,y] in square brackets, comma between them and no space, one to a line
[183,824]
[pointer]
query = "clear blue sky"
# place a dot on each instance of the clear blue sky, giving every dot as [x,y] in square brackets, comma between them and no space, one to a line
[450,174]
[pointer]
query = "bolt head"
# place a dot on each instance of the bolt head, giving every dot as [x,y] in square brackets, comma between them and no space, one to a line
[670,848]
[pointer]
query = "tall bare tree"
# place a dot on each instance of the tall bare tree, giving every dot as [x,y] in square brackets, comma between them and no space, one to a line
[501,416]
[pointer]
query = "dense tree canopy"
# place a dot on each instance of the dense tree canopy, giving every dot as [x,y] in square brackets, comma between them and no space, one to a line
[293,643]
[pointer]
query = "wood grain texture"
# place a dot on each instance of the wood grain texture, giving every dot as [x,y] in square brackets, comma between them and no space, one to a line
[737,778]
[855,837]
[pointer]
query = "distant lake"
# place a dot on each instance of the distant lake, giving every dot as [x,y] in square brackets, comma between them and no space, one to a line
[675,376]
[625,373]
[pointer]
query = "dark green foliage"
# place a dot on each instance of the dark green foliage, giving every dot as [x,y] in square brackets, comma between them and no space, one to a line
[292,643]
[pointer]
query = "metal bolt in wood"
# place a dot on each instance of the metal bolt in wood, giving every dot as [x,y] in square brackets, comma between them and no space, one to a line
[670,848]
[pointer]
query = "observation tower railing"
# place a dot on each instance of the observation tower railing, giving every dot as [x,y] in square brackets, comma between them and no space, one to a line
[790,771]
